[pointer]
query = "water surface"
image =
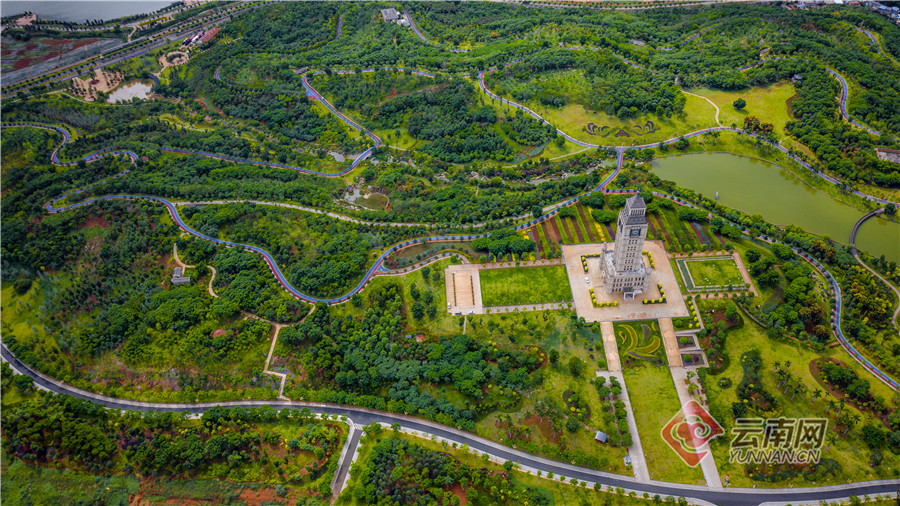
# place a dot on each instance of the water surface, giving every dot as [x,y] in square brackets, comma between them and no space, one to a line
[756,186]
[79,11]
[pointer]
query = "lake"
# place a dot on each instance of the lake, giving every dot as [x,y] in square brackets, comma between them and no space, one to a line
[78,11]
[756,186]
[128,91]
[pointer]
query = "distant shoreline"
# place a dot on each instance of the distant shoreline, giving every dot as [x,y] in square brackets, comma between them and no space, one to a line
[79,11]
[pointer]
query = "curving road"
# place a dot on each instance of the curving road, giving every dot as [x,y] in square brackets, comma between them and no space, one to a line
[378,267]
[366,416]
[855,254]
[363,416]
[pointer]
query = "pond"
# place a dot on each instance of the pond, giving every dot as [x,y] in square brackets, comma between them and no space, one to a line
[756,186]
[126,92]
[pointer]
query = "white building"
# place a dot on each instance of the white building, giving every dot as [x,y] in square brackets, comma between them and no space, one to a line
[392,16]
[178,279]
[623,267]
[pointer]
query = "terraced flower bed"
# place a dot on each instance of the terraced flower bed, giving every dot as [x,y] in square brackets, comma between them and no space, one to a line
[640,341]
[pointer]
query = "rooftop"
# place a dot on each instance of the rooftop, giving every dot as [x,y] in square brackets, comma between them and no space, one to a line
[635,202]
[390,14]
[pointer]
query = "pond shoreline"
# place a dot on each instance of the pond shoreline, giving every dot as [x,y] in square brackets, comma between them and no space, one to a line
[758,185]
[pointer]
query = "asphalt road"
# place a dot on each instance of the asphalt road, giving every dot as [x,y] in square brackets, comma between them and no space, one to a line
[362,416]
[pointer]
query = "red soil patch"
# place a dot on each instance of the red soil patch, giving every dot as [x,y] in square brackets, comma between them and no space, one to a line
[261,496]
[663,229]
[533,234]
[612,234]
[219,332]
[23,63]
[458,491]
[547,233]
[574,224]
[694,226]
[554,230]
[565,226]
[721,239]
[96,220]
[587,224]
[543,426]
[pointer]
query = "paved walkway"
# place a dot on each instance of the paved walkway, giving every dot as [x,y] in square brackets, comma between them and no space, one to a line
[671,342]
[211,278]
[178,260]
[348,454]
[708,100]
[610,347]
[276,329]
[527,307]
[708,464]
[636,450]
[463,287]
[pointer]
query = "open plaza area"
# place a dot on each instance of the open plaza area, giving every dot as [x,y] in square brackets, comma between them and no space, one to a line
[631,309]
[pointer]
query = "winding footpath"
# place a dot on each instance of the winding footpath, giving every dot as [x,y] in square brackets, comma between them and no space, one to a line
[362,416]
[855,254]
[378,265]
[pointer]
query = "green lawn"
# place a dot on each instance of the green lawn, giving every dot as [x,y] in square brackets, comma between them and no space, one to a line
[573,118]
[26,484]
[525,285]
[562,492]
[654,402]
[768,103]
[850,452]
[714,272]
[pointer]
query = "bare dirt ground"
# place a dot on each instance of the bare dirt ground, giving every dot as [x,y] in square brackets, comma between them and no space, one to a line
[102,82]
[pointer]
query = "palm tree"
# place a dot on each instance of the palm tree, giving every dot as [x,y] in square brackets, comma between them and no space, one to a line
[798,387]
[787,381]
[832,437]
[817,393]
[850,421]
[831,405]
[777,365]
[841,406]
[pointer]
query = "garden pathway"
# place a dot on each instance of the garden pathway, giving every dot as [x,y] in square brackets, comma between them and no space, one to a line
[708,463]
[671,342]
[349,453]
[636,450]
[609,345]
[178,261]
[211,278]
[708,100]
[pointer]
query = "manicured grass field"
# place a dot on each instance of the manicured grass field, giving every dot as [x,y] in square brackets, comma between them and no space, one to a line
[525,285]
[846,451]
[573,117]
[717,272]
[768,103]
[655,401]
